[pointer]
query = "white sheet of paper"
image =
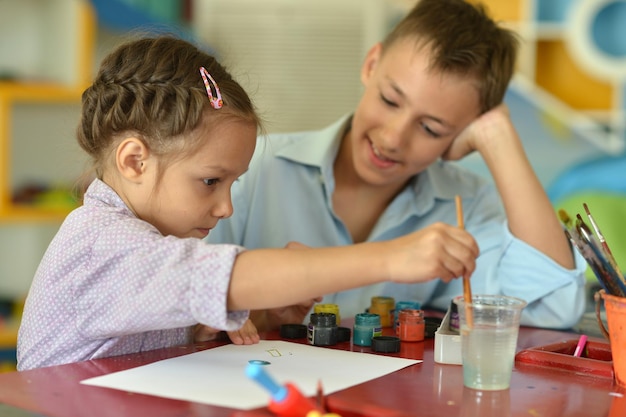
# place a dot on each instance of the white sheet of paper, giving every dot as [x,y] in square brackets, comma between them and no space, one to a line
[217,376]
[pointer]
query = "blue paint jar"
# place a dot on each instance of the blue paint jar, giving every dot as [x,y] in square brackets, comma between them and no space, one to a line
[366,326]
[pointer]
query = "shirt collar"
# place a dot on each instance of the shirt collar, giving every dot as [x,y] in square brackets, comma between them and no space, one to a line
[99,192]
[319,148]
[442,180]
[446,180]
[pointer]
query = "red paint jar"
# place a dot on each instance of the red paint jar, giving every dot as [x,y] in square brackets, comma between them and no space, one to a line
[411,325]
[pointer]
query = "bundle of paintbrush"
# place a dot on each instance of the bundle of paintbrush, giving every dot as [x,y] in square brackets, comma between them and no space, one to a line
[595,250]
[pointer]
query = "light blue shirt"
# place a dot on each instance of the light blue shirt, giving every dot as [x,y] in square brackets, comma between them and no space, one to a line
[286,195]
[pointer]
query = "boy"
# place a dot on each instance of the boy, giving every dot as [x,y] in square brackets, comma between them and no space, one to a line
[433,94]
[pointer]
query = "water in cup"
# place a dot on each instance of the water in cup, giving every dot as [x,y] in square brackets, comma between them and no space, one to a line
[489,329]
[489,353]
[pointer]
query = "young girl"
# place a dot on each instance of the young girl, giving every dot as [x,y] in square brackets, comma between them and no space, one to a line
[169,132]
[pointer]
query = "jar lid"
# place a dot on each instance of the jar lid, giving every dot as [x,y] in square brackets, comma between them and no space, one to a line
[321,308]
[323,319]
[386,344]
[293,331]
[431,324]
[411,312]
[401,305]
[343,334]
[365,319]
[383,299]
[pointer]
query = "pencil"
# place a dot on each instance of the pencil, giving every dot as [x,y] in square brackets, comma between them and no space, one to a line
[467,290]
[580,346]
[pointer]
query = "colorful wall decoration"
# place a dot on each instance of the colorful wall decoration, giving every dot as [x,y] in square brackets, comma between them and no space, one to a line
[568,97]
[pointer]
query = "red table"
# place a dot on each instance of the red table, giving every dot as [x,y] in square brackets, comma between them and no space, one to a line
[425,389]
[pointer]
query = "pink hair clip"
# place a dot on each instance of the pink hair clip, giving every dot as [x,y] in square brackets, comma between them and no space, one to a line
[216,102]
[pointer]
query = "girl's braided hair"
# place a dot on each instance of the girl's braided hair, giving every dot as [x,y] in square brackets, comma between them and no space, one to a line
[152,88]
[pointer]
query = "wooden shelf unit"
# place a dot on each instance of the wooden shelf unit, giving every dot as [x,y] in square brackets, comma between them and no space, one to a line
[76,24]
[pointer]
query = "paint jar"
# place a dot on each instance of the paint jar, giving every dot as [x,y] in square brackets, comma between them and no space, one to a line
[383,306]
[322,330]
[454,316]
[366,326]
[402,305]
[411,325]
[328,308]
[386,344]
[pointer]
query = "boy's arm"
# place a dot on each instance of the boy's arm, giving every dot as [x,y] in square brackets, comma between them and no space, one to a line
[272,319]
[531,216]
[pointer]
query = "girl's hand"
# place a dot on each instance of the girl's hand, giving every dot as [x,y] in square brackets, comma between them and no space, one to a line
[246,335]
[437,251]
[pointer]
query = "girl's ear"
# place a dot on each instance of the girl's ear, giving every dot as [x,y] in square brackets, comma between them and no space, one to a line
[131,157]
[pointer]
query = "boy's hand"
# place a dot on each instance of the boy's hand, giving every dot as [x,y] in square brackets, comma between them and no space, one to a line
[246,335]
[291,314]
[477,136]
[272,319]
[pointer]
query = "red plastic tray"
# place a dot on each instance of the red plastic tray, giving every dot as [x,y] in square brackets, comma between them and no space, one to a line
[596,359]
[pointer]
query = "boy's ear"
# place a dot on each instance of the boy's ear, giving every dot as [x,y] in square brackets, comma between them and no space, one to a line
[131,156]
[371,60]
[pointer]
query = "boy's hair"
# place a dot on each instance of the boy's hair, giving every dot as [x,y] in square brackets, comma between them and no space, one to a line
[463,40]
[152,88]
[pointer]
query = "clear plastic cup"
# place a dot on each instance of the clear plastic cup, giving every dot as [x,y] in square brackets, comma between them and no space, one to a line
[489,328]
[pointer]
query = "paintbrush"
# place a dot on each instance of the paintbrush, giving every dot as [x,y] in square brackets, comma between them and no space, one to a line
[467,290]
[609,276]
[582,238]
[605,246]
[565,219]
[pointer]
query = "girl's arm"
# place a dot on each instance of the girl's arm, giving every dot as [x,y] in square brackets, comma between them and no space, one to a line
[269,278]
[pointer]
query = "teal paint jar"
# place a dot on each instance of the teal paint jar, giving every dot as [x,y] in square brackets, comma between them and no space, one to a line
[366,326]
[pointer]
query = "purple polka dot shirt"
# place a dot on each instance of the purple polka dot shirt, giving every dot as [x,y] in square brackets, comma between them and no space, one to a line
[111,284]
